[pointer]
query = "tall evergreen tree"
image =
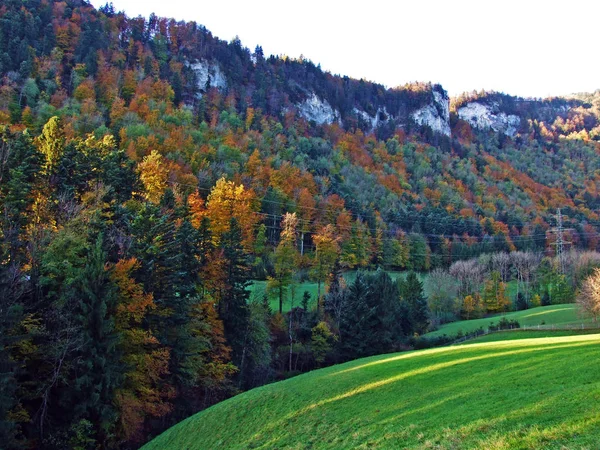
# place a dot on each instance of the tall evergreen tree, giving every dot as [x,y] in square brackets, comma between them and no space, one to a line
[11,313]
[19,170]
[411,292]
[80,361]
[233,308]
[97,369]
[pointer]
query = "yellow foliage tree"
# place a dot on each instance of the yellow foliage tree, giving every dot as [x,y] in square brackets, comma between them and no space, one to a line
[229,200]
[286,257]
[153,174]
[494,294]
[471,306]
[51,143]
[327,250]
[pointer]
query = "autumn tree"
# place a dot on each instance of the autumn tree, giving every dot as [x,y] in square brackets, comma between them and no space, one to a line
[51,143]
[494,294]
[327,251]
[286,257]
[145,392]
[153,175]
[306,212]
[471,306]
[321,342]
[228,200]
[588,298]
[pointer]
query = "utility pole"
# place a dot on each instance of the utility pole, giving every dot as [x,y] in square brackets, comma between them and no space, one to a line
[560,240]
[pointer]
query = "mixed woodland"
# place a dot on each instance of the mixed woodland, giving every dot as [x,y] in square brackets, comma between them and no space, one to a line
[137,207]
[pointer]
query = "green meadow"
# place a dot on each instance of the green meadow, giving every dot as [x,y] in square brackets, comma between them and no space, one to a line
[526,393]
[544,317]
[259,288]
[508,335]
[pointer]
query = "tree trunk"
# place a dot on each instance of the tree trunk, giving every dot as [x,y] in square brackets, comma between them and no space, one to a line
[280,299]
[291,338]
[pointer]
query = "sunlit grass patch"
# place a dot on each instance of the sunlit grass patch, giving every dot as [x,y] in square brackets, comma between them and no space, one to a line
[544,317]
[529,393]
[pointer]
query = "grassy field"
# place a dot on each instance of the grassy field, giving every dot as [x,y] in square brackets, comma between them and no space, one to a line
[513,335]
[542,316]
[258,288]
[527,394]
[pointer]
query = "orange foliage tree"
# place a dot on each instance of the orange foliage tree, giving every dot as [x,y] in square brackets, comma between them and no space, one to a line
[144,392]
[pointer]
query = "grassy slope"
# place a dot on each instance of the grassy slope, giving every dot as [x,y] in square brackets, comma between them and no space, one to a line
[554,315]
[522,334]
[530,393]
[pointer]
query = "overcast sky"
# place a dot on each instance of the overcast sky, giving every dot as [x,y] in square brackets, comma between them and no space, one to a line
[525,47]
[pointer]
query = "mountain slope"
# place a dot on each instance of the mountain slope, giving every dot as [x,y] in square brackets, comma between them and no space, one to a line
[530,393]
[482,172]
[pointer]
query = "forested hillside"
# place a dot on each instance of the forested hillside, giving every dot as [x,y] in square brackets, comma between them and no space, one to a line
[149,171]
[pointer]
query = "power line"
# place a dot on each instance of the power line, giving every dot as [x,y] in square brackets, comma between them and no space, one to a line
[356,216]
[373,231]
[560,242]
[313,208]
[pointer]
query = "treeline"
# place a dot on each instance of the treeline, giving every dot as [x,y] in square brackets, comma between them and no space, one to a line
[67,38]
[476,287]
[104,73]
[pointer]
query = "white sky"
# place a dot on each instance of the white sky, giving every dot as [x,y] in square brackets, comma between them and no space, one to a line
[524,47]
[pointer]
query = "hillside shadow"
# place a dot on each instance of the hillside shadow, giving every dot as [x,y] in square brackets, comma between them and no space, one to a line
[457,399]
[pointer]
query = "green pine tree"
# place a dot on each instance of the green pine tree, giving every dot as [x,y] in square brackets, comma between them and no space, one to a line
[233,308]
[411,292]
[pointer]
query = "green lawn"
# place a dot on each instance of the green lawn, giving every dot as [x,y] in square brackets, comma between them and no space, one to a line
[542,316]
[526,394]
[508,335]
[258,288]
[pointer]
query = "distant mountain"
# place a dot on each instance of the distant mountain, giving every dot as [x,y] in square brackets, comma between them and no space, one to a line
[481,165]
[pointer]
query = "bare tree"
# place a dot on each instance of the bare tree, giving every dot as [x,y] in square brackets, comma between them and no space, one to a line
[581,264]
[441,289]
[501,264]
[485,261]
[525,265]
[589,295]
[469,275]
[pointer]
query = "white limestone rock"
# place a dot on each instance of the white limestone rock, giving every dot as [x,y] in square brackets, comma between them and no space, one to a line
[435,114]
[313,108]
[487,117]
[209,72]
[381,116]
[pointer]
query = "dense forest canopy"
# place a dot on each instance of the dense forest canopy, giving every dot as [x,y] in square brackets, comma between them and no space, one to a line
[149,171]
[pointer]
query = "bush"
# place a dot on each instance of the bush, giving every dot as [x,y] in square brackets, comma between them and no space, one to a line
[505,324]
[420,342]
